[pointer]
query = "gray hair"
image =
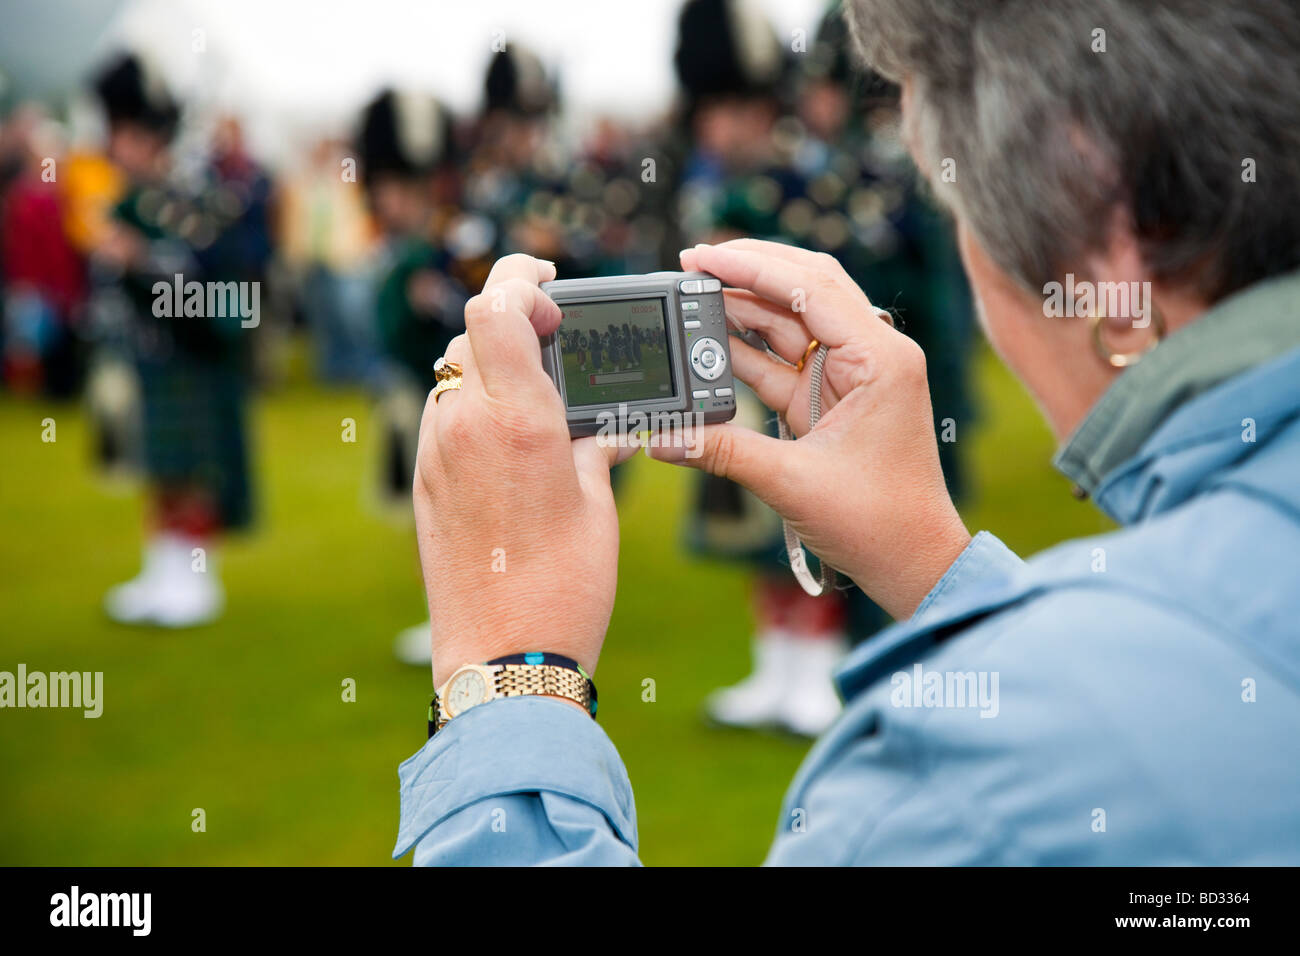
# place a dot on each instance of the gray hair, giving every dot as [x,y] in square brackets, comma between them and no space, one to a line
[1046,134]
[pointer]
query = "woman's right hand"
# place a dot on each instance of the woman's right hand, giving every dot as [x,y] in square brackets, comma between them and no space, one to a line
[863,488]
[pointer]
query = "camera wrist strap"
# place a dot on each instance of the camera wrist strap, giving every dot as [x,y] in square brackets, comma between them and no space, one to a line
[793,546]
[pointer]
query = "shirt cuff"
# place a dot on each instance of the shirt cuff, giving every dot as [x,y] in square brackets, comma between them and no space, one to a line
[985,562]
[513,745]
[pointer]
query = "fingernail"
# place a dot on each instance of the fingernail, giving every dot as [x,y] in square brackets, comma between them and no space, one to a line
[669,452]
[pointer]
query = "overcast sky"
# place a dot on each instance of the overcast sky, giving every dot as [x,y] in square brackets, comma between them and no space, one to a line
[291,66]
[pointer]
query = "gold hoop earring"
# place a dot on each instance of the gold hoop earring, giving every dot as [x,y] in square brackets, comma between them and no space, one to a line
[1124,359]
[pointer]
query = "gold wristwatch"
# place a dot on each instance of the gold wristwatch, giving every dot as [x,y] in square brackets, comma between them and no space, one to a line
[519,675]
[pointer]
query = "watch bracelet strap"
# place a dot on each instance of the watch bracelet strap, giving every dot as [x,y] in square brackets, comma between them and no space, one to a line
[516,663]
[534,673]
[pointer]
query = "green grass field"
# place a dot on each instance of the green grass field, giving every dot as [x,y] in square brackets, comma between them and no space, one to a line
[245,719]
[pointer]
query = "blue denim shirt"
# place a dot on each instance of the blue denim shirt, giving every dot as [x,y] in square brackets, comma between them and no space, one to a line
[1132,698]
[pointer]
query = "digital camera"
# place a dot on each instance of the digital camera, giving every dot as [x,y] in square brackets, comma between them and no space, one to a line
[640,353]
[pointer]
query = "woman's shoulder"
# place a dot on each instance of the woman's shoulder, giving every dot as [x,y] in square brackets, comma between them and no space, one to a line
[1118,694]
[1223,561]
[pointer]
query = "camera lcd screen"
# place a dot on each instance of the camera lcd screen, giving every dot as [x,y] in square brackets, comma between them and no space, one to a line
[615,352]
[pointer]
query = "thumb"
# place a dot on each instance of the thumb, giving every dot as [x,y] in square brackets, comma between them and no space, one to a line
[766,466]
[593,458]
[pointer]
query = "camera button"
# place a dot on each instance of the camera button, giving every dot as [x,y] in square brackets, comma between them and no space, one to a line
[710,285]
[691,324]
[691,305]
[700,393]
[707,358]
[690,286]
[722,392]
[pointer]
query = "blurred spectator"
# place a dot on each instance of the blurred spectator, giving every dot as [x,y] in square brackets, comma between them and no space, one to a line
[327,240]
[44,276]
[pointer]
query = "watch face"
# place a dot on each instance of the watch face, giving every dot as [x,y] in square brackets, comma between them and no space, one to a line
[466,691]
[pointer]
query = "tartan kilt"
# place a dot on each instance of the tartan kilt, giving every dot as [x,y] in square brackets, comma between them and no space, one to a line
[194,430]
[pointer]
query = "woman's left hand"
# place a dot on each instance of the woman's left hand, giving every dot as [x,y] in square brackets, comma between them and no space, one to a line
[863,489]
[517,528]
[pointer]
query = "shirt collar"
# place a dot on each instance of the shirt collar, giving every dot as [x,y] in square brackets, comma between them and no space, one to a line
[1244,330]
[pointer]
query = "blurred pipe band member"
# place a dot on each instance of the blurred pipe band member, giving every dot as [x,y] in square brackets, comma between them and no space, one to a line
[408,165]
[734,73]
[515,179]
[511,191]
[863,205]
[171,230]
[1130,698]
[807,153]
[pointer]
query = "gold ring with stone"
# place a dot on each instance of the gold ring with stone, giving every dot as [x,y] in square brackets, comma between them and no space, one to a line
[448,376]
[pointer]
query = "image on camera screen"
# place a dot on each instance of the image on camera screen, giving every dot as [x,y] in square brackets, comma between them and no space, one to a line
[615,352]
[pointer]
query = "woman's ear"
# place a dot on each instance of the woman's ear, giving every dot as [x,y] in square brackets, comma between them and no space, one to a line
[1118,282]
[1038,344]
